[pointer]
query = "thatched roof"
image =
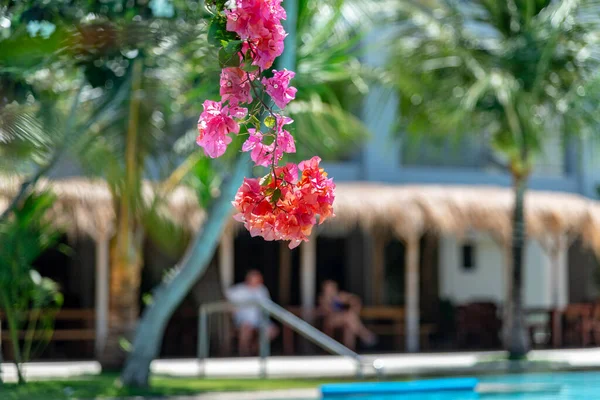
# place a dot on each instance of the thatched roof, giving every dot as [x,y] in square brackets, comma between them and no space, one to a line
[86,206]
[405,211]
[402,211]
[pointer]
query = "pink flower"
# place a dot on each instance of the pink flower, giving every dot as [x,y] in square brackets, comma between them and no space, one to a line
[249,15]
[289,173]
[258,22]
[266,155]
[285,141]
[269,47]
[238,112]
[235,86]
[310,165]
[214,125]
[238,20]
[261,154]
[277,11]
[278,87]
[314,183]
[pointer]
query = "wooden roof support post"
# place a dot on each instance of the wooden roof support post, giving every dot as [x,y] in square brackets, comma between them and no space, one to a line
[412,294]
[506,253]
[227,258]
[102,292]
[556,245]
[285,274]
[308,274]
[558,252]
[556,327]
[378,272]
[554,253]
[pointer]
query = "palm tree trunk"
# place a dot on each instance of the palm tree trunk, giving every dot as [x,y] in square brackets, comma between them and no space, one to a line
[169,294]
[11,321]
[124,289]
[126,260]
[517,339]
[33,317]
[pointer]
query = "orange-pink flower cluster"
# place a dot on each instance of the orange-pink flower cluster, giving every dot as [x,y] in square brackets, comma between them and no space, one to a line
[282,207]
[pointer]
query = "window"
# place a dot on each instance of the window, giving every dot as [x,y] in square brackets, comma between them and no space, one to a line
[468,257]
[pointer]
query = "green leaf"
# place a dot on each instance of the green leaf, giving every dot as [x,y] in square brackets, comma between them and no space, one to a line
[215,31]
[147,299]
[266,180]
[249,67]
[255,121]
[125,344]
[218,33]
[58,299]
[228,60]
[270,122]
[276,196]
[233,46]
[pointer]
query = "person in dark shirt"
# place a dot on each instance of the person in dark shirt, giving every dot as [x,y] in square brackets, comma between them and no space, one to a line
[342,310]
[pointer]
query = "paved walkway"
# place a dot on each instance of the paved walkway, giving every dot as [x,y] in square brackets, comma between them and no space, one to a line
[293,394]
[322,366]
[51,370]
[389,364]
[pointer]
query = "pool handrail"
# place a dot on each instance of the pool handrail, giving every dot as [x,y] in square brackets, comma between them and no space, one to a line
[275,311]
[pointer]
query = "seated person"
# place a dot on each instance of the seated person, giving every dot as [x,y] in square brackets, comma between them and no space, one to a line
[342,310]
[248,319]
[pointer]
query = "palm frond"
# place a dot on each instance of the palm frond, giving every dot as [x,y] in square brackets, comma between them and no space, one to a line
[169,236]
[493,67]
[326,129]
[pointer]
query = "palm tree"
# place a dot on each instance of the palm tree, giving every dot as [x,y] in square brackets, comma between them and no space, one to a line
[516,71]
[24,294]
[139,144]
[125,130]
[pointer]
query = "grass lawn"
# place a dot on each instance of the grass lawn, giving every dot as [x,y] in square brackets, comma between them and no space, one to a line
[104,386]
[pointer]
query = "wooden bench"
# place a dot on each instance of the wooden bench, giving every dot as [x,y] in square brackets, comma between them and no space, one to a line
[578,324]
[381,320]
[84,316]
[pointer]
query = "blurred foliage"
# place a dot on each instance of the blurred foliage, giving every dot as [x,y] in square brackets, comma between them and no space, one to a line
[331,80]
[27,299]
[517,71]
[50,51]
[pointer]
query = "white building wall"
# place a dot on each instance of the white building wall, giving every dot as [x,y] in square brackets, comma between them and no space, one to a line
[538,276]
[484,282]
[487,280]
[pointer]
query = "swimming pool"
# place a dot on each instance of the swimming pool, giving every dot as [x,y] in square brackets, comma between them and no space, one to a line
[548,386]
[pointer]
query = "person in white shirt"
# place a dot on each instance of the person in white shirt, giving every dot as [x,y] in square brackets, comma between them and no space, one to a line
[248,319]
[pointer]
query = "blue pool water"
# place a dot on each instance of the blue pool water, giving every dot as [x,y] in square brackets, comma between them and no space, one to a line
[548,386]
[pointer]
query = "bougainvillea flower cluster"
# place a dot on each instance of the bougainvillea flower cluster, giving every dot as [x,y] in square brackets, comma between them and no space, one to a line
[282,206]
[289,200]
